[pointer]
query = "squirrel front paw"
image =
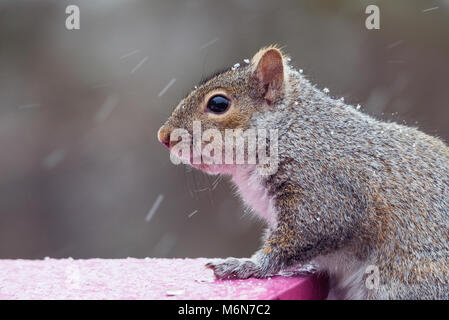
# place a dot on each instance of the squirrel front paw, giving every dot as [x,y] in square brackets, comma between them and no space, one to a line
[233,268]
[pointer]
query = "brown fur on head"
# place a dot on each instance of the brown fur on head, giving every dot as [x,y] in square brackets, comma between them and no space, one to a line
[251,88]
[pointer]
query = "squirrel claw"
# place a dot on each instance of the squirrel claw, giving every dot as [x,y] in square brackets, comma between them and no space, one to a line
[233,268]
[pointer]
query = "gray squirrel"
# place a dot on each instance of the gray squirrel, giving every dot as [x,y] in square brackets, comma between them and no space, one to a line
[352,196]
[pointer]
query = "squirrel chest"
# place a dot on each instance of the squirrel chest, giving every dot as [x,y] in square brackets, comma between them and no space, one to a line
[255,195]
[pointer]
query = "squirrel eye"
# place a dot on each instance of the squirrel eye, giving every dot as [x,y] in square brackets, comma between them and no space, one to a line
[218,104]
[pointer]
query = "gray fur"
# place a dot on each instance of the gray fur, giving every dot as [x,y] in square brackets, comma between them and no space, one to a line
[380,191]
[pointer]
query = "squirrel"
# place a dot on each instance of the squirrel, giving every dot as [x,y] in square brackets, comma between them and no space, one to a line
[353,197]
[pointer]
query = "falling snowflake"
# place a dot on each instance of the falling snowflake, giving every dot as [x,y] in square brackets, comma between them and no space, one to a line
[172,81]
[155,206]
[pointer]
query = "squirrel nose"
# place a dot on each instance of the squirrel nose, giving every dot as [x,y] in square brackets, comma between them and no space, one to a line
[164,136]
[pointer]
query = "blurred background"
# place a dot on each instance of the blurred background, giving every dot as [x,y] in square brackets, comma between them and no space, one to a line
[81,172]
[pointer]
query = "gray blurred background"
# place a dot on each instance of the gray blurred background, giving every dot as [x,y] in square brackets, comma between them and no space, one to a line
[81,171]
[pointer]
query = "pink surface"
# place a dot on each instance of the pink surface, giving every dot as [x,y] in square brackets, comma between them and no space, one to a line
[141,279]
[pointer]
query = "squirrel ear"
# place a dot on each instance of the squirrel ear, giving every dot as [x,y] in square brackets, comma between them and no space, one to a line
[269,72]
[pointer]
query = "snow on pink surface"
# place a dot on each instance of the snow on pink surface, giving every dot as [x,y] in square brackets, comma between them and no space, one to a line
[148,278]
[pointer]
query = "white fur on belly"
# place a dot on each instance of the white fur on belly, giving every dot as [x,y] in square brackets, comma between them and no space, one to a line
[346,275]
[255,195]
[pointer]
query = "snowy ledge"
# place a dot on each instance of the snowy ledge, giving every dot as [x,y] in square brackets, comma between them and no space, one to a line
[142,279]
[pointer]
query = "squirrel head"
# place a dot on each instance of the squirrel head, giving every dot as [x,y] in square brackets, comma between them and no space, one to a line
[229,99]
